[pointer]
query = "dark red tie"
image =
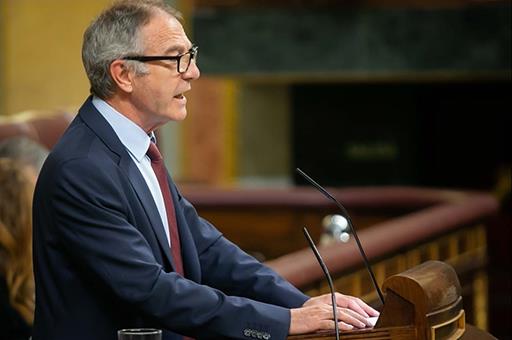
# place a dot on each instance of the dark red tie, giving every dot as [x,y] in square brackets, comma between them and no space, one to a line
[157,163]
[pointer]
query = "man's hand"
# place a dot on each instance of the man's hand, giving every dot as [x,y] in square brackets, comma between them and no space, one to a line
[320,317]
[316,314]
[345,301]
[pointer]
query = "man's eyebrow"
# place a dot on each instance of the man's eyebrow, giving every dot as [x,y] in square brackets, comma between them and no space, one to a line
[176,49]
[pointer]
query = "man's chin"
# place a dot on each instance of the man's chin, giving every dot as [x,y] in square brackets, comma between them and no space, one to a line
[179,116]
[174,117]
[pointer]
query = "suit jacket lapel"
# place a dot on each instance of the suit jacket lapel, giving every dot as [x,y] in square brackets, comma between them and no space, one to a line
[104,131]
[146,199]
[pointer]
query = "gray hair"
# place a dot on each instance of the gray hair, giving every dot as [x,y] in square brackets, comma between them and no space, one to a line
[25,151]
[114,34]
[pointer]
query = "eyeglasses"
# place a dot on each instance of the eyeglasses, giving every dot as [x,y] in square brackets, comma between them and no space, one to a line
[183,60]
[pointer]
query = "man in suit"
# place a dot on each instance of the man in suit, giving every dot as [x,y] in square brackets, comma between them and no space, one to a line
[115,243]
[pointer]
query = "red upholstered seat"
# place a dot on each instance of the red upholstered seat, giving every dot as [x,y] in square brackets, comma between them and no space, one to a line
[44,127]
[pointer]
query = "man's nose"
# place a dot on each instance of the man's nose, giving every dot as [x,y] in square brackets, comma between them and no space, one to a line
[193,71]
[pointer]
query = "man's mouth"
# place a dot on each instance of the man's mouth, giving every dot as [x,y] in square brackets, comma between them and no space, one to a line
[179,96]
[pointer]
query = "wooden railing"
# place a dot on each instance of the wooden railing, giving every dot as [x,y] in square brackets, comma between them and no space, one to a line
[452,231]
[399,228]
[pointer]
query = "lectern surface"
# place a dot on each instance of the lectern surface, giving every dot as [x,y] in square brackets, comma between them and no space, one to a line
[471,333]
[422,303]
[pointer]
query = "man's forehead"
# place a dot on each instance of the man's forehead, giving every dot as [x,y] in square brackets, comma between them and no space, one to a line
[165,34]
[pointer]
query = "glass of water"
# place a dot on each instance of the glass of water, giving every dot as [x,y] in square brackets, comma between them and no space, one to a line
[139,334]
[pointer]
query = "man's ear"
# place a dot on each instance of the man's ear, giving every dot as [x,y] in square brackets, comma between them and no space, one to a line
[121,75]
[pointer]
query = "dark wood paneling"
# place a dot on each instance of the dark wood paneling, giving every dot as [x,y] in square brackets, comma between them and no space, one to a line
[370,42]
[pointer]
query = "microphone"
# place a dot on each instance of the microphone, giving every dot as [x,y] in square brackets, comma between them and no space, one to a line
[329,280]
[346,215]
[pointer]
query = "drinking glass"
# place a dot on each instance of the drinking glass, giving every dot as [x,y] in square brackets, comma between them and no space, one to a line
[139,334]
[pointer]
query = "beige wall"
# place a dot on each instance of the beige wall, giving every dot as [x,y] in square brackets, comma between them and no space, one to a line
[41,68]
[263,136]
[41,42]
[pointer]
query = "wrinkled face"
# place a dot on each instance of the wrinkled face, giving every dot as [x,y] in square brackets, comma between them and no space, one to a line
[158,96]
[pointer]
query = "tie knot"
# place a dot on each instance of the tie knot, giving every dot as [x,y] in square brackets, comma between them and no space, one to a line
[153,153]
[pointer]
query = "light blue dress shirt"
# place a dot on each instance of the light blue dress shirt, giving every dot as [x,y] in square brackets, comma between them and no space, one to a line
[136,142]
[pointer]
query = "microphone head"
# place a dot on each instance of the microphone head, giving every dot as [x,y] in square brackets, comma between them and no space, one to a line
[318,186]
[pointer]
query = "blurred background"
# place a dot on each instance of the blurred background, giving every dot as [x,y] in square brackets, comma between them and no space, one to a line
[362,93]
[356,92]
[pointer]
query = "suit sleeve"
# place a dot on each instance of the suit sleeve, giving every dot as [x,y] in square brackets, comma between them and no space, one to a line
[226,267]
[92,226]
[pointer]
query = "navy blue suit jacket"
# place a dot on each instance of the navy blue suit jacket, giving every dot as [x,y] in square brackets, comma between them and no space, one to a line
[102,260]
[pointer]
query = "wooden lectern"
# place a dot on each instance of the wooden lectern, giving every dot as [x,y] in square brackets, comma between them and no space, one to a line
[421,303]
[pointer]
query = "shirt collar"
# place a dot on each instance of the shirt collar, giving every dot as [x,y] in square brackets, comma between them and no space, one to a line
[135,140]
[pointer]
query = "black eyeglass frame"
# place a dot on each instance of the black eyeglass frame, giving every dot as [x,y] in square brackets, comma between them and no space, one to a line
[144,58]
